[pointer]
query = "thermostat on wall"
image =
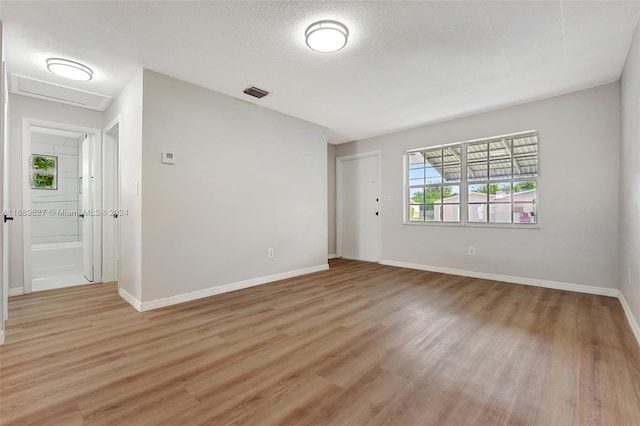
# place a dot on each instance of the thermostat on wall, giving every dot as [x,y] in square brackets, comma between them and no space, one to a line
[168,158]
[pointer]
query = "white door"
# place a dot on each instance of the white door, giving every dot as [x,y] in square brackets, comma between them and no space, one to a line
[4,172]
[360,208]
[6,220]
[110,199]
[86,218]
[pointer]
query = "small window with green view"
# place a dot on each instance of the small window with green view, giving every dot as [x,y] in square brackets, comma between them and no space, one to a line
[44,171]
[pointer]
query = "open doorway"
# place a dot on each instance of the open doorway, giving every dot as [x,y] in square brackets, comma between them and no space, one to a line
[61,199]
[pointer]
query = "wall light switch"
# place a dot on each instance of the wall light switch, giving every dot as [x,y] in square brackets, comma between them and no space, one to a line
[168,158]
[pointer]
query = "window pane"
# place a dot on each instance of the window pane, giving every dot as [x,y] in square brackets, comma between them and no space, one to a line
[432,212]
[416,213]
[525,191]
[524,213]
[525,166]
[416,177]
[500,149]
[500,169]
[416,173]
[503,192]
[451,194]
[433,195]
[416,160]
[451,213]
[451,155]
[44,163]
[433,157]
[416,196]
[477,194]
[433,175]
[477,171]
[43,180]
[525,146]
[477,152]
[477,212]
[500,213]
[452,173]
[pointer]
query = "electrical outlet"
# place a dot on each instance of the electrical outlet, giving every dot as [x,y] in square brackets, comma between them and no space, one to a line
[271,252]
[472,251]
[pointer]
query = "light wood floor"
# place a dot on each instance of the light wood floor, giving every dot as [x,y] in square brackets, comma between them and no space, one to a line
[361,344]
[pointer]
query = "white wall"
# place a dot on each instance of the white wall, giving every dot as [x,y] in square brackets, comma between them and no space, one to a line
[579,138]
[246,179]
[630,179]
[24,107]
[59,228]
[331,181]
[128,107]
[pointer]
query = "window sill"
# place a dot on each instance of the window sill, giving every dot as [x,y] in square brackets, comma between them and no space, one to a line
[473,225]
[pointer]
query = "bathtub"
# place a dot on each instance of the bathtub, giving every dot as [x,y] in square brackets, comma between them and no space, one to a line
[56,265]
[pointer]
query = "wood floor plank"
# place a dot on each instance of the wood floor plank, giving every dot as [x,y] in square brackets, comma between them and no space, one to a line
[360,344]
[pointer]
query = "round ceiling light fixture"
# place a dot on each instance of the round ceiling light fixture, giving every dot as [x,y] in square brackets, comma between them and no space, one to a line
[326,36]
[69,69]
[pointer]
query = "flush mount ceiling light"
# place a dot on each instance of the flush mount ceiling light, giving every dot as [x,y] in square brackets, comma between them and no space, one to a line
[69,69]
[326,36]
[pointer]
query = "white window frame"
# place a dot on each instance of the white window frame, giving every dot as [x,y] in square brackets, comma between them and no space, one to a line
[464,185]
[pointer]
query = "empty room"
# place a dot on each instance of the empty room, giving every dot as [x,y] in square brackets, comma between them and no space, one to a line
[320,213]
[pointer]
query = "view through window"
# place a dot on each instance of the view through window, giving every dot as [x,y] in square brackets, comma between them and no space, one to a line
[490,181]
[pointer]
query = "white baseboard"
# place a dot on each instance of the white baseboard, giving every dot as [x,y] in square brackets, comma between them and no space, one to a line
[332,256]
[579,288]
[130,299]
[360,260]
[16,291]
[212,291]
[635,328]
[1,337]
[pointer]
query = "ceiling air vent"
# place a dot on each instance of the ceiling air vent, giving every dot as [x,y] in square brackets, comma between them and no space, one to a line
[255,92]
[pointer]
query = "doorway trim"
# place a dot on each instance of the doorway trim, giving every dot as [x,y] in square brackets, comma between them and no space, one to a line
[27,123]
[339,163]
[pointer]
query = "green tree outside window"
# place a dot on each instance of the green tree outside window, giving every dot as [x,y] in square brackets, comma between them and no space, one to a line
[44,171]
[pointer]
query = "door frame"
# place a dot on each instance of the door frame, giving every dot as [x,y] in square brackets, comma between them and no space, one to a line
[339,163]
[110,197]
[27,123]
[88,187]
[4,170]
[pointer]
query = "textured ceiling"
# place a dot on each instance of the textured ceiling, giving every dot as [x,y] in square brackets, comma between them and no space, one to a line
[406,63]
